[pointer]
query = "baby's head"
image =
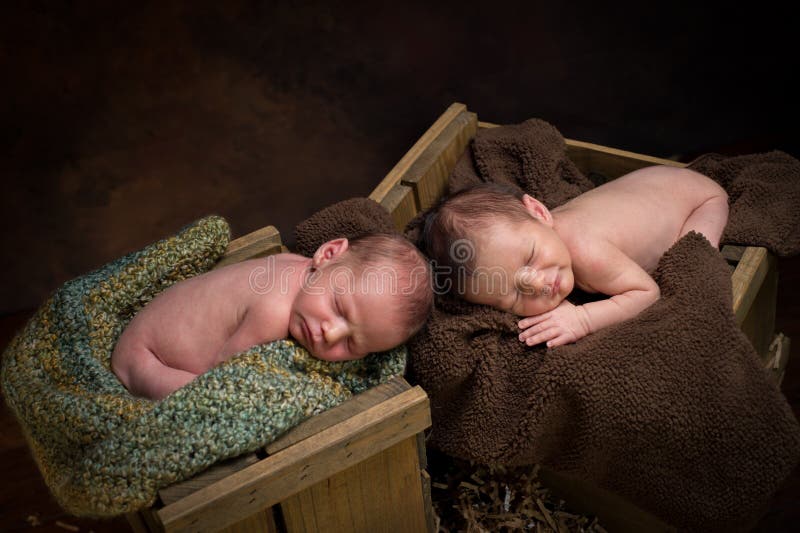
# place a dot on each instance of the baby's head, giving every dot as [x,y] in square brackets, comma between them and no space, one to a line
[360,296]
[495,245]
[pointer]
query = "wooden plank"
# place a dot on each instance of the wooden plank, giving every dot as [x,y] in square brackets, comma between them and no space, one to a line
[261,522]
[423,456]
[148,519]
[402,474]
[611,162]
[299,466]
[264,241]
[358,403]
[401,203]
[211,475]
[747,280]
[381,493]
[733,254]
[430,516]
[758,323]
[394,175]
[137,522]
[334,504]
[295,516]
[428,173]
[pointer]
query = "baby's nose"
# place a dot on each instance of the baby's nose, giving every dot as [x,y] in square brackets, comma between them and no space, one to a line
[335,330]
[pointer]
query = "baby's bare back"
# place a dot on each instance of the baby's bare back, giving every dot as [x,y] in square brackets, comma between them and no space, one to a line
[200,322]
[642,213]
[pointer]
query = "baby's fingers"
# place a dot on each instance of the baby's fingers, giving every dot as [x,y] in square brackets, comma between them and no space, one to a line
[532,320]
[542,336]
[560,340]
[533,330]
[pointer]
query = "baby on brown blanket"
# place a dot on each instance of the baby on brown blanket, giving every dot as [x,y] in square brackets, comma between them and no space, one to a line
[503,248]
[670,409]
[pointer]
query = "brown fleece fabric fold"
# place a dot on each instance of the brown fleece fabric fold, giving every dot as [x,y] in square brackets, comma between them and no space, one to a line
[764,196]
[348,218]
[671,409]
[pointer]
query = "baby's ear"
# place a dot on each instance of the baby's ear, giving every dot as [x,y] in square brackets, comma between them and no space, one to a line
[537,209]
[330,250]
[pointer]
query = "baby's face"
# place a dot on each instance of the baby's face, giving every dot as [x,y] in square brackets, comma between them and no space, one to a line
[336,317]
[521,267]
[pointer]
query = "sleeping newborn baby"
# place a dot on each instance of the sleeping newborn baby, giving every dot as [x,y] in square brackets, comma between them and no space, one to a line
[525,259]
[352,298]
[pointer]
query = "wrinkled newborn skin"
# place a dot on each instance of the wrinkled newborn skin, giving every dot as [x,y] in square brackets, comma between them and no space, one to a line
[200,322]
[605,241]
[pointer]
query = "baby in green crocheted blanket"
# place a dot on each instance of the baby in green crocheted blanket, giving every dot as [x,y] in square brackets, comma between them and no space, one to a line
[352,298]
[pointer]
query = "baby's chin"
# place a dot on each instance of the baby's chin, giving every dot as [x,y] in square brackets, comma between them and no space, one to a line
[551,304]
[546,306]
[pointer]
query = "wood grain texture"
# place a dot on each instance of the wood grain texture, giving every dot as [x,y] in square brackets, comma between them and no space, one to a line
[394,175]
[262,242]
[340,413]
[220,470]
[747,280]
[429,172]
[401,204]
[381,493]
[302,465]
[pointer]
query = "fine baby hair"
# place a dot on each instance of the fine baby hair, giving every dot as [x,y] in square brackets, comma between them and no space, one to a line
[462,216]
[411,273]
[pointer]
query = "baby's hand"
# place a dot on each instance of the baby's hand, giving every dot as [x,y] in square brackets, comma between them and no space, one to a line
[564,324]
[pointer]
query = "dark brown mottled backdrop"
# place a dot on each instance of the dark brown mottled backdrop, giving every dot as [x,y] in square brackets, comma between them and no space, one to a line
[121,123]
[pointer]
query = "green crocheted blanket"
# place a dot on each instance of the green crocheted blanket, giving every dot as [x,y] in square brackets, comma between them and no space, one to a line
[103,452]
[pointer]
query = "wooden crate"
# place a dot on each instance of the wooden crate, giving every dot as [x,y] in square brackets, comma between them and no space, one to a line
[359,466]
[420,177]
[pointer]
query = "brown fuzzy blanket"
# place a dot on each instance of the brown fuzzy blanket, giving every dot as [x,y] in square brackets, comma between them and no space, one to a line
[671,410]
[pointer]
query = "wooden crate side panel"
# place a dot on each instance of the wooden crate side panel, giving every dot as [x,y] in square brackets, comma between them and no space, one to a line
[262,242]
[261,522]
[611,162]
[428,173]
[138,522]
[759,321]
[401,204]
[394,176]
[748,278]
[300,466]
[358,403]
[212,474]
[382,493]
[430,516]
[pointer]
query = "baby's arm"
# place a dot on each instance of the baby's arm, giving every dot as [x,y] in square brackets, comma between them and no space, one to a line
[631,288]
[143,373]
